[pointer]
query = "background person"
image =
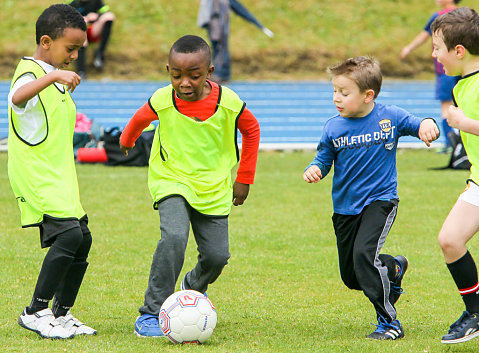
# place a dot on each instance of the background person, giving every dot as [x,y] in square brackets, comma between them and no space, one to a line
[99,20]
[444,83]
[214,15]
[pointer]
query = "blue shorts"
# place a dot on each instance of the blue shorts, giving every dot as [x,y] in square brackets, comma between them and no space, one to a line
[444,86]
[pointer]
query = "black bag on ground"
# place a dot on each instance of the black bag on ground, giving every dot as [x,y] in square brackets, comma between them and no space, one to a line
[138,156]
[458,158]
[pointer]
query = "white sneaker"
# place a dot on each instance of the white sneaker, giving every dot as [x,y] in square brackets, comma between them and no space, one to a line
[44,323]
[75,326]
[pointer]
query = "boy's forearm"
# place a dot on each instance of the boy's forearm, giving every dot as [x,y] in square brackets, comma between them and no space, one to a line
[470,126]
[31,89]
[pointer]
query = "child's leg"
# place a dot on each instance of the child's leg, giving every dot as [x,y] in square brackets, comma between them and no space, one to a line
[460,225]
[346,228]
[169,256]
[372,273]
[68,289]
[211,234]
[55,266]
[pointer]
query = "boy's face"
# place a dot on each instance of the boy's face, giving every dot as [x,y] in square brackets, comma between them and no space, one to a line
[446,57]
[188,73]
[348,99]
[444,3]
[63,50]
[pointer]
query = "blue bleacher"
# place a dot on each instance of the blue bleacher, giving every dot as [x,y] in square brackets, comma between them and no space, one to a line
[291,114]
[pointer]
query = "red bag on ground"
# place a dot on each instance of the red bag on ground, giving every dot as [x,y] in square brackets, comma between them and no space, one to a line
[91,155]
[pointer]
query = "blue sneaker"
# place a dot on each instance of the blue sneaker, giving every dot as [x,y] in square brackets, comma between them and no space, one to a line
[464,329]
[401,267]
[147,325]
[387,331]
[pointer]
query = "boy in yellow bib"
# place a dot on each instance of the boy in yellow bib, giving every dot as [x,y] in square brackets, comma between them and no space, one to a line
[41,169]
[189,176]
[455,38]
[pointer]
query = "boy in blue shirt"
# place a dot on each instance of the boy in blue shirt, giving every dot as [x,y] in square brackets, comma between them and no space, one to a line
[362,142]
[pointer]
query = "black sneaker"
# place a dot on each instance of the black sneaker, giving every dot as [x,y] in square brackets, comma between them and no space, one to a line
[401,267]
[387,331]
[464,329]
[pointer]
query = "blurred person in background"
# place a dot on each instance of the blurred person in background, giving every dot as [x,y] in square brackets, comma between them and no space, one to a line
[99,20]
[444,83]
[214,15]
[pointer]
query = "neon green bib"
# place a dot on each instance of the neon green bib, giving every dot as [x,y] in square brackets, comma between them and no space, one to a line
[194,158]
[43,175]
[466,96]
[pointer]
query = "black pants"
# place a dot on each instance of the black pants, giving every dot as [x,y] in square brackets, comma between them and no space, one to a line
[64,264]
[359,240]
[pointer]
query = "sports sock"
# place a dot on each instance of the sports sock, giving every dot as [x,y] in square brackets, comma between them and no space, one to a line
[55,266]
[81,61]
[37,304]
[464,273]
[67,291]
[105,36]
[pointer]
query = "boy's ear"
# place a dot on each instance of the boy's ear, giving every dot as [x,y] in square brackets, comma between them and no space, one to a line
[460,51]
[168,68]
[46,41]
[369,96]
[211,69]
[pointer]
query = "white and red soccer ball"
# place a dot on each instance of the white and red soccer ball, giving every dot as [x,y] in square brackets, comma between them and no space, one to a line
[187,316]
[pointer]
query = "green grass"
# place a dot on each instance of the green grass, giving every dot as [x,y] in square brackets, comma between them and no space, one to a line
[309,36]
[281,291]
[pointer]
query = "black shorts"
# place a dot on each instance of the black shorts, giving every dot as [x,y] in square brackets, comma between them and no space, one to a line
[51,227]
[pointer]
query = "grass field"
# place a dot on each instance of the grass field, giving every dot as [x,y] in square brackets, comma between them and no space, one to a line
[309,36]
[281,291]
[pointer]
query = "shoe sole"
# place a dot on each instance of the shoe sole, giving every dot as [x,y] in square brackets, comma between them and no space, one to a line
[462,339]
[142,336]
[20,322]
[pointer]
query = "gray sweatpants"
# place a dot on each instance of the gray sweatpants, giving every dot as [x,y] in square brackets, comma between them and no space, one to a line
[211,235]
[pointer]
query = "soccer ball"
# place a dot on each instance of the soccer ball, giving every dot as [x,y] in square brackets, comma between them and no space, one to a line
[187,316]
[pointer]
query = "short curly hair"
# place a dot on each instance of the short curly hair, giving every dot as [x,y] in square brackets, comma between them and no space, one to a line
[191,44]
[55,19]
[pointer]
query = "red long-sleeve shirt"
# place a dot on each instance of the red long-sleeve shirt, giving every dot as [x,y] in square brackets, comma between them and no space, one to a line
[203,109]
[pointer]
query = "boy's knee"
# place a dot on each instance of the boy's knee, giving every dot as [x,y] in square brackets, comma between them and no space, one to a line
[84,248]
[215,260]
[446,242]
[108,16]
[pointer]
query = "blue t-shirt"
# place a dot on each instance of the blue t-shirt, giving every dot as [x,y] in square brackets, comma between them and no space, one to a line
[364,154]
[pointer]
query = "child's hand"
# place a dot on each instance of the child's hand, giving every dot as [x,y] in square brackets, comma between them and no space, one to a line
[240,193]
[312,174]
[125,149]
[456,117]
[428,131]
[68,78]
